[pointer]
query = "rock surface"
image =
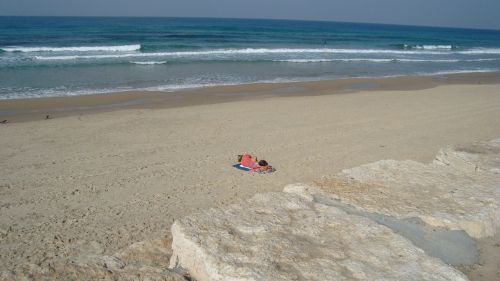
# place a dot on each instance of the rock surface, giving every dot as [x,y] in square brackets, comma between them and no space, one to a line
[454,247]
[459,190]
[285,236]
[479,156]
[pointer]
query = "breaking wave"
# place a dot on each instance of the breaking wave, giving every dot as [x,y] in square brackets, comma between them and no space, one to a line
[481,51]
[123,48]
[429,47]
[148,62]
[264,51]
[382,60]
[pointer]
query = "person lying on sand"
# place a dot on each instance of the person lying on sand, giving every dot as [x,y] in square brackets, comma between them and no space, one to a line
[263,167]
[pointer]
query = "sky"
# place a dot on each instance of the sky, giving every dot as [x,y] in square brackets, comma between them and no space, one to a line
[450,13]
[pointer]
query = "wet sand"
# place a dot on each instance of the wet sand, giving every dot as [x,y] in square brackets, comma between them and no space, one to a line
[16,110]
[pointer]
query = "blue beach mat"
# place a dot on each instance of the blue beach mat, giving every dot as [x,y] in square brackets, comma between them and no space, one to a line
[243,168]
[239,167]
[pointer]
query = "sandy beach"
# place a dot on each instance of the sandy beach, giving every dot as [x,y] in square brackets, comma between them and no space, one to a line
[105,171]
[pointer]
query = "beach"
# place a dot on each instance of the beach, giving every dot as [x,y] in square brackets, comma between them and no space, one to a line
[106,171]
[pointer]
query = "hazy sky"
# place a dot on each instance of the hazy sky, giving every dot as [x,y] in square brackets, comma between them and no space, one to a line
[454,13]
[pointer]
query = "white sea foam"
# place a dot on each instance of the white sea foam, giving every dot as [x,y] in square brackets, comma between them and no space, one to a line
[177,87]
[483,70]
[423,60]
[57,92]
[382,60]
[424,49]
[63,57]
[305,60]
[248,51]
[148,62]
[445,60]
[333,60]
[430,47]
[480,51]
[123,48]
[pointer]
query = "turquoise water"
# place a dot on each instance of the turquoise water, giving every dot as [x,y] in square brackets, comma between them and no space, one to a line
[58,56]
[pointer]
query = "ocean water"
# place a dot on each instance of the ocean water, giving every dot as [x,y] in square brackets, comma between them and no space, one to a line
[60,56]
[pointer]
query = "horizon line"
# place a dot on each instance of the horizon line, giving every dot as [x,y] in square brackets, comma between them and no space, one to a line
[248,18]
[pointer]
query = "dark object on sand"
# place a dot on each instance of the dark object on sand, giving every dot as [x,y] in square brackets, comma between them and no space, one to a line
[243,168]
[4,122]
[47,117]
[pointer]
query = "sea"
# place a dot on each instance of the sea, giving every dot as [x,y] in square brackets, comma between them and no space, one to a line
[67,56]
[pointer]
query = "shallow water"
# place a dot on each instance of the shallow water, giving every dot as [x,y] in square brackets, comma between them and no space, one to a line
[454,247]
[59,56]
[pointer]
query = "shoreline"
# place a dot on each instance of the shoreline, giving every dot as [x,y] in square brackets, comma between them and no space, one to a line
[30,109]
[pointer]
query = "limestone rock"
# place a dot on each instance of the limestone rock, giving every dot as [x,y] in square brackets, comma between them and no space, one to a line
[461,190]
[482,156]
[285,236]
[454,247]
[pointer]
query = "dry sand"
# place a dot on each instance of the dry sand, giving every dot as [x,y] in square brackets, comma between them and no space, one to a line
[97,179]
